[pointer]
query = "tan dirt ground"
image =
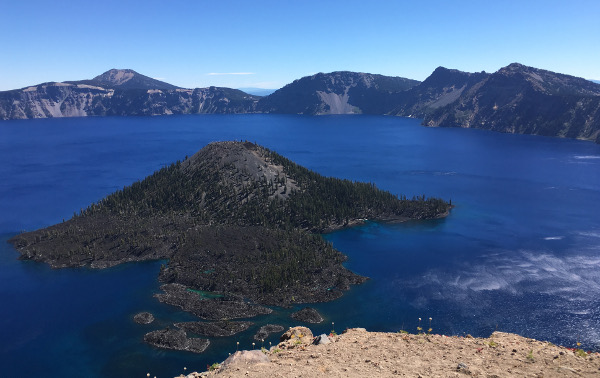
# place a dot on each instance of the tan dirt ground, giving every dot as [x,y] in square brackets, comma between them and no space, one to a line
[358,353]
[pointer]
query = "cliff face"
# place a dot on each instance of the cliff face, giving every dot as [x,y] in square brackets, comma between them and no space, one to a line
[442,87]
[79,100]
[525,100]
[337,93]
[119,92]
[53,100]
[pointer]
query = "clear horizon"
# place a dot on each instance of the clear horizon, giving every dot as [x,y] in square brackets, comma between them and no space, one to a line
[268,44]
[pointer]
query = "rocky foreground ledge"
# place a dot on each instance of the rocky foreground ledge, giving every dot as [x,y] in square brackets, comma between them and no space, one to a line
[358,353]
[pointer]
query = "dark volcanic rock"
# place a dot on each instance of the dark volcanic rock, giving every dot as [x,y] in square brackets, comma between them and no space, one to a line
[308,315]
[247,260]
[266,330]
[143,318]
[214,329]
[211,309]
[176,339]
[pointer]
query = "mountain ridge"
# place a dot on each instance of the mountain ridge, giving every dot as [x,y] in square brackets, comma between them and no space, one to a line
[514,99]
[339,92]
[526,100]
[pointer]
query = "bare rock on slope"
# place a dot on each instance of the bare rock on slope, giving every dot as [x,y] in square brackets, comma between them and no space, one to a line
[358,353]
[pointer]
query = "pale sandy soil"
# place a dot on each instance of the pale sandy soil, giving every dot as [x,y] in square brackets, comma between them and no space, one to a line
[358,353]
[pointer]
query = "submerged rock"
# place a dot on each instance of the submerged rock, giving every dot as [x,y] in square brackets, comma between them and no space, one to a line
[214,329]
[308,315]
[176,339]
[143,318]
[266,330]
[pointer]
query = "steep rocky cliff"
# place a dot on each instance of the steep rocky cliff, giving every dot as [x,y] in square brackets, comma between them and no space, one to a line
[525,100]
[119,92]
[444,86]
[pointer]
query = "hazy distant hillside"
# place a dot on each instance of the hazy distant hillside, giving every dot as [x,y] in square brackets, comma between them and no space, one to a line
[336,93]
[257,91]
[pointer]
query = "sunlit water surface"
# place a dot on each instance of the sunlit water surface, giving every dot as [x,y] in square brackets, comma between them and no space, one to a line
[520,252]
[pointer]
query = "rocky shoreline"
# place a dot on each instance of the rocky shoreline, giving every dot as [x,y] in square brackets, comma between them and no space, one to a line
[266,330]
[209,309]
[176,339]
[214,329]
[308,315]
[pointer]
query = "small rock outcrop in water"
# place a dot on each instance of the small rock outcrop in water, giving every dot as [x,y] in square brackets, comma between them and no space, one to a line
[266,330]
[308,315]
[176,339]
[143,318]
[214,329]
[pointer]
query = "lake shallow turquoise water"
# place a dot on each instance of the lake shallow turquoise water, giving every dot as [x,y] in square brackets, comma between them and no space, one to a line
[520,252]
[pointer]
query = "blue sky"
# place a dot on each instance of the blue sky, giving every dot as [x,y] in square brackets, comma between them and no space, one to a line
[267,44]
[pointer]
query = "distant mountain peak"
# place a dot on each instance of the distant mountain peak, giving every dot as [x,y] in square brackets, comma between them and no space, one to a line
[116,76]
[129,79]
[516,65]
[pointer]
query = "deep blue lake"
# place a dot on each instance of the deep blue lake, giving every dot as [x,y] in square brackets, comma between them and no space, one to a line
[519,253]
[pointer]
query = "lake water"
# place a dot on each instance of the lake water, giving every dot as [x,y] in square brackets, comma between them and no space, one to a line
[520,252]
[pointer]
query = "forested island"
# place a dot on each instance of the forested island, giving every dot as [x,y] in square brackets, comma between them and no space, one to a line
[238,224]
